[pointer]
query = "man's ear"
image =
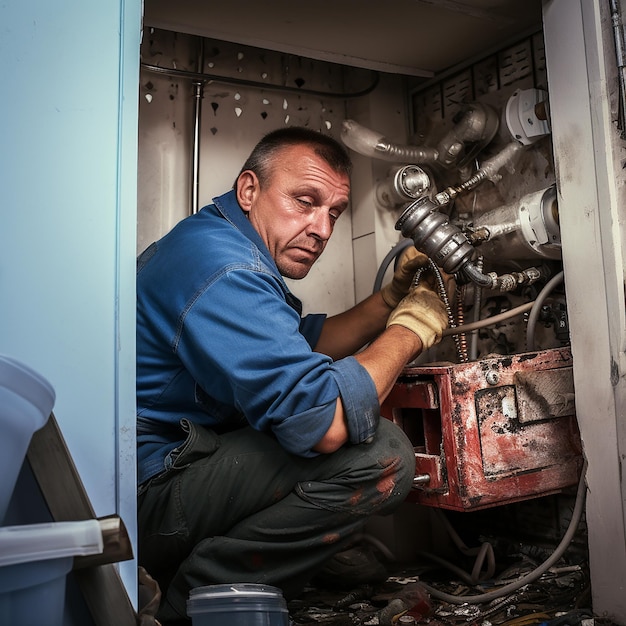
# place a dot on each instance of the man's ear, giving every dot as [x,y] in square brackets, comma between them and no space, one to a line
[247,189]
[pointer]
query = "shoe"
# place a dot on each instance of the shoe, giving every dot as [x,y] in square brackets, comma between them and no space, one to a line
[351,568]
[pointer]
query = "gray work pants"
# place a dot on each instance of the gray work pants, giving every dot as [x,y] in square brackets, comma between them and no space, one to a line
[237,508]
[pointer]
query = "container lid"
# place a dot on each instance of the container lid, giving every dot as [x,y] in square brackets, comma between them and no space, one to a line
[235,590]
[38,542]
[18,378]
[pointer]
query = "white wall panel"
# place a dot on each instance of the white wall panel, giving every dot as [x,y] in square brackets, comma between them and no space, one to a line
[581,70]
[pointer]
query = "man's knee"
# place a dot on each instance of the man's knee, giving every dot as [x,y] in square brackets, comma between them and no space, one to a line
[364,479]
[396,460]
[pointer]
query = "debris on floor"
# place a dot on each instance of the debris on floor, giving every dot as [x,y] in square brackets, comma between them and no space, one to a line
[560,597]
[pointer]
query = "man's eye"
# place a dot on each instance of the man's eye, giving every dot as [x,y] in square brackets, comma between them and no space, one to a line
[305,203]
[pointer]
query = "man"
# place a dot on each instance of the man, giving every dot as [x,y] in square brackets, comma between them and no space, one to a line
[260,447]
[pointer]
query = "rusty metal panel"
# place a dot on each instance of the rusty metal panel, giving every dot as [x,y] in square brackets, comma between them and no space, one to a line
[510,445]
[548,391]
[490,432]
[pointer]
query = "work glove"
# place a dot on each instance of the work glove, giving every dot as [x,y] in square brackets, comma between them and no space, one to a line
[410,261]
[423,312]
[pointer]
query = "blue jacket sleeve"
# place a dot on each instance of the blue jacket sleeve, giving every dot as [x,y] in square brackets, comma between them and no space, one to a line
[243,345]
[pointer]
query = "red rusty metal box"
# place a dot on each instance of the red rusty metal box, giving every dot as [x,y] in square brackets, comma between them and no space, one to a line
[489,432]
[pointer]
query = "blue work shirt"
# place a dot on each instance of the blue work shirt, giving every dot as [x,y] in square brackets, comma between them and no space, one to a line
[221,342]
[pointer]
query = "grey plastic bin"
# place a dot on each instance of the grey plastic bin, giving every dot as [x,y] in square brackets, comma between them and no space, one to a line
[242,604]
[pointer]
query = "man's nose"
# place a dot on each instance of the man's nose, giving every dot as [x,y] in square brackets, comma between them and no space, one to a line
[321,226]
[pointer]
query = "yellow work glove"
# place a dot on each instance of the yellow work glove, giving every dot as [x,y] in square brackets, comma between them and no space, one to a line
[410,261]
[423,312]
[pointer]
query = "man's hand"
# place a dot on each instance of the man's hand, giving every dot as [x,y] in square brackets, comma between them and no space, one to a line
[410,261]
[423,312]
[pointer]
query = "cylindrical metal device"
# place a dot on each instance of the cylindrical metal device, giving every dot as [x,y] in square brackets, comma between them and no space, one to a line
[403,184]
[526,230]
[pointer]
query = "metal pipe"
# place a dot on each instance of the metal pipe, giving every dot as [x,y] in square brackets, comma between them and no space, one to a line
[372,144]
[620,53]
[195,157]
[407,182]
[434,235]
[197,118]
[488,171]
[477,126]
[230,80]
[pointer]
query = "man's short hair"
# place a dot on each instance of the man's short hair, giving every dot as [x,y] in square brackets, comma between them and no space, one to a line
[261,159]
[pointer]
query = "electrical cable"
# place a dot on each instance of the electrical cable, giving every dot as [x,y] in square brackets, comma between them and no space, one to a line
[489,321]
[460,320]
[443,294]
[394,253]
[620,57]
[537,572]
[526,620]
[478,299]
[536,309]
[376,543]
[455,569]
[484,551]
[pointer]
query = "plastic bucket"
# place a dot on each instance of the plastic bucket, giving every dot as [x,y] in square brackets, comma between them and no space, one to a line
[34,562]
[26,400]
[32,594]
[242,604]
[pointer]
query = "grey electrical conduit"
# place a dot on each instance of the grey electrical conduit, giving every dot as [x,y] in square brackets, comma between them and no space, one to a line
[394,253]
[469,579]
[482,553]
[536,310]
[478,305]
[488,321]
[537,572]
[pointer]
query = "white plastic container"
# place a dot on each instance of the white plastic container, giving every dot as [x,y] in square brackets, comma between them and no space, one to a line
[34,562]
[26,400]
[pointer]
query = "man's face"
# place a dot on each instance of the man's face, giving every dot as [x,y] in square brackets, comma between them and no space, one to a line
[296,210]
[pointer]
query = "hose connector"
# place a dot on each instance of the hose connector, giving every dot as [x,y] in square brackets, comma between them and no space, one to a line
[433,235]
